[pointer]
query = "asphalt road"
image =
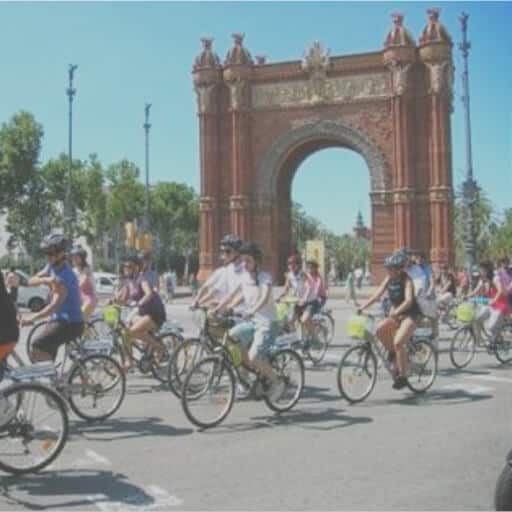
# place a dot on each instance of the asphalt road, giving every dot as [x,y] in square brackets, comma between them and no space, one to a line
[440,451]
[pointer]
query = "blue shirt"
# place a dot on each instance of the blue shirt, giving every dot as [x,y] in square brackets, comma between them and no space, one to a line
[70,310]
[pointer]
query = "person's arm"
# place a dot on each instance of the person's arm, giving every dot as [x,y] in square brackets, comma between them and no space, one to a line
[500,291]
[234,303]
[262,300]
[227,300]
[477,291]
[408,302]
[376,296]
[58,296]
[446,287]
[286,289]
[148,293]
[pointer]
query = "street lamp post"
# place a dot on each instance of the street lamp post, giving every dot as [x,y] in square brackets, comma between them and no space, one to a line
[147,126]
[470,188]
[70,91]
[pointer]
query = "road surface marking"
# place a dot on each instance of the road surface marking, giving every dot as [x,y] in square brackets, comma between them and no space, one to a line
[472,389]
[492,378]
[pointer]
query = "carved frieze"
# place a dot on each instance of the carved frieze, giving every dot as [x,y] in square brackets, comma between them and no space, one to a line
[301,93]
[441,77]
[207,204]
[236,92]
[204,92]
[238,202]
[404,196]
[400,74]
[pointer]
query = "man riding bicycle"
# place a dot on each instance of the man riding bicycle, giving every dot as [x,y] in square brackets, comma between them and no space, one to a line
[396,330]
[66,320]
[259,329]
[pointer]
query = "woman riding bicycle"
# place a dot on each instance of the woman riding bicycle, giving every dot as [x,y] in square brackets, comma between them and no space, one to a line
[396,330]
[150,311]
[295,283]
[85,280]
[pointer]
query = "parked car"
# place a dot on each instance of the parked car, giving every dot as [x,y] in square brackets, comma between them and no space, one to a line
[33,297]
[106,284]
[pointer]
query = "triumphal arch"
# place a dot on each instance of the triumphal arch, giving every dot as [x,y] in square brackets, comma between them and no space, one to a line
[258,121]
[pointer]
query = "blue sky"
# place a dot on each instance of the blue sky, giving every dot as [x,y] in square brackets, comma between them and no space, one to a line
[131,53]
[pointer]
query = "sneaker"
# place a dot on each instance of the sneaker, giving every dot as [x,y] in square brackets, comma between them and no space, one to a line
[275,390]
[242,393]
[7,411]
[400,382]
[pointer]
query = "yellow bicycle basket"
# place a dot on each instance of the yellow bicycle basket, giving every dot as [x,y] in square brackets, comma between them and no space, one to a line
[111,315]
[283,310]
[357,327]
[466,312]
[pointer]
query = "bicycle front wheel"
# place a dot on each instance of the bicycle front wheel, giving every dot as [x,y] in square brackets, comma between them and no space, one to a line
[185,357]
[35,432]
[96,387]
[357,373]
[462,347]
[289,368]
[504,345]
[208,392]
[318,346]
[422,366]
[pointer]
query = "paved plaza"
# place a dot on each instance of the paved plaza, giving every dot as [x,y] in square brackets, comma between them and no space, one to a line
[443,450]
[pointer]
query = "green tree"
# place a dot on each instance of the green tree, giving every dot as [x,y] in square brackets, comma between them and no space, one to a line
[304,227]
[20,145]
[501,240]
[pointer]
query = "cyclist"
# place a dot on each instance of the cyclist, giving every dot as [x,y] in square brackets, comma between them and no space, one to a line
[9,334]
[396,330]
[149,313]
[447,286]
[295,281]
[257,333]
[313,298]
[85,280]
[66,319]
[226,278]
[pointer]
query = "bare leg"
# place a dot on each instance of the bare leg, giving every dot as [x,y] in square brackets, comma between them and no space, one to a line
[402,337]
[141,328]
[386,332]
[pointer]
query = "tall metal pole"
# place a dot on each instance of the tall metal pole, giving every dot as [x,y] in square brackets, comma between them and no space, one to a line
[470,188]
[147,126]
[68,207]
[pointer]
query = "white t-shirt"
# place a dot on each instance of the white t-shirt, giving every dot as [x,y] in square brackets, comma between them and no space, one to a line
[419,278]
[225,280]
[297,282]
[252,291]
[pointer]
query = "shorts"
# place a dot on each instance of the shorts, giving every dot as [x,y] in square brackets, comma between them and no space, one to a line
[156,314]
[312,307]
[9,332]
[257,338]
[55,334]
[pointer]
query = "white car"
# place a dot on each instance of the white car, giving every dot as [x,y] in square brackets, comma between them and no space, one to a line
[33,297]
[106,284]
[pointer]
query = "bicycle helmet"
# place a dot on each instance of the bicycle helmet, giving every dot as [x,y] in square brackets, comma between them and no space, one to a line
[252,249]
[132,258]
[396,260]
[78,250]
[232,241]
[54,243]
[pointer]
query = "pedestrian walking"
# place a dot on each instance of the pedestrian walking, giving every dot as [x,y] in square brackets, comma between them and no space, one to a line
[350,293]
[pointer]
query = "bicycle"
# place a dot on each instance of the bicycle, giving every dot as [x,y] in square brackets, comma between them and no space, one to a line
[35,432]
[93,378]
[170,336]
[212,382]
[359,363]
[467,338]
[194,349]
[312,347]
[448,314]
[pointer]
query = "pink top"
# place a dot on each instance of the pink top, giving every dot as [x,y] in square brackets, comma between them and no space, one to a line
[504,278]
[316,287]
[86,284]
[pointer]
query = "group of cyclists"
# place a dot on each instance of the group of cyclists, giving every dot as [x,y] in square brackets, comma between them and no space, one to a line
[242,285]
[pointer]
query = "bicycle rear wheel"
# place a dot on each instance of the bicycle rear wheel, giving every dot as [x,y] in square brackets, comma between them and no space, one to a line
[208,392]
[462,347]
[160,366]
[317,347]
[96,387]
[289,368]
[185,357]
[37,430]
[422,366]
[357,373]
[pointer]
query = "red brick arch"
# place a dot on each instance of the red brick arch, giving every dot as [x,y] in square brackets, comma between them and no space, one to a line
[259,121]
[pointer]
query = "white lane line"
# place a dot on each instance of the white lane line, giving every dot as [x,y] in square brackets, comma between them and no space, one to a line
[96,457]
[151,498]
[491,378]
[472,389]
[90,460]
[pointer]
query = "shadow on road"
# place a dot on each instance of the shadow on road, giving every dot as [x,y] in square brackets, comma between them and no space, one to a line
[82,484]
[126,428]
[313,394]
[448,372]
[321,419]
[436,397]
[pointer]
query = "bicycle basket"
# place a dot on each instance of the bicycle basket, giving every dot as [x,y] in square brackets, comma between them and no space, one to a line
[357,326]
[466,312]
[283,310]
[111,315]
